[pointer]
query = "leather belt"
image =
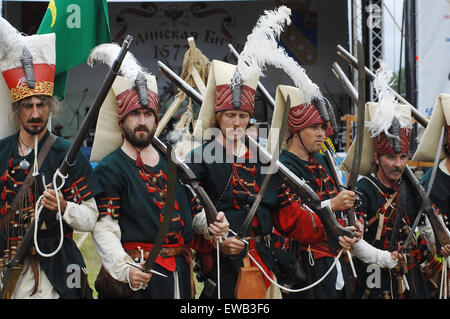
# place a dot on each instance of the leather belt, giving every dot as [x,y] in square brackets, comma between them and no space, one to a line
[165,252]
[320,249]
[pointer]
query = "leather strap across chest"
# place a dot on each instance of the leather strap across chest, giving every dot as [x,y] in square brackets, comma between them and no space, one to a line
[28,181]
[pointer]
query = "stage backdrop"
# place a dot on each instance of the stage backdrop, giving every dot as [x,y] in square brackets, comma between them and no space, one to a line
[161,29]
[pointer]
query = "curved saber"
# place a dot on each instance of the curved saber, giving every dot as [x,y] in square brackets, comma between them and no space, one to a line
[430,186]
[170,199]
[300,187]
[271,170]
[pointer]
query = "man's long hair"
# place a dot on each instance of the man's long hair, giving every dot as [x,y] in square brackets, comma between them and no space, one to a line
[17,107]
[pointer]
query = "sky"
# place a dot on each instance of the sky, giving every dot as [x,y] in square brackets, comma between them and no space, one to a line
[392,33]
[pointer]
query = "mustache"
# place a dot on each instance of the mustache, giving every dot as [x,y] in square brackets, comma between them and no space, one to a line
[396,169]
[141,128]
[35,120]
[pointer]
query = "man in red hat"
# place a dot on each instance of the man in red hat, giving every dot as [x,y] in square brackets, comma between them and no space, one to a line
[389,211]
[307,131]
[232,176]
[55,267]
[388,204]
[133,180]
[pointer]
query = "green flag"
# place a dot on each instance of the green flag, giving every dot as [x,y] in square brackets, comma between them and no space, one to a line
[79,25]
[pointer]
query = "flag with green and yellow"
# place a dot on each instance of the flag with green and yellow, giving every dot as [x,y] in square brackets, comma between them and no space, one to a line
[79,25]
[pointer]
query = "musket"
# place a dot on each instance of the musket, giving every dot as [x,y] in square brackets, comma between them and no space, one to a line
[353,176]
[332,228]
[189,177]
[14,268]
[308,196]
[343,79]
[441,234]
[271,171]
[349,58]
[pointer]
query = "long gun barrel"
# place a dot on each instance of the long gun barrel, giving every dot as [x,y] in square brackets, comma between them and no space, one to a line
[92,114]
[15,267]
[193,94]
[348,86]
[440,231]
[307,194]
[441,234]
[349,58]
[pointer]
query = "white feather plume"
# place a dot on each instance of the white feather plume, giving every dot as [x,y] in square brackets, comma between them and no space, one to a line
[106,53]
[10,38]
[12,43]
[307,88]
[388,107]
[262,48]
[261,43]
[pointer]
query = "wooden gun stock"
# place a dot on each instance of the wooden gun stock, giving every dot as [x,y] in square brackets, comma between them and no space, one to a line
[441,234]
[309,197]
[11,277]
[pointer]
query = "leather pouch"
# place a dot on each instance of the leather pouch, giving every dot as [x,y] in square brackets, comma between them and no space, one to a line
[110,288]
[250,283]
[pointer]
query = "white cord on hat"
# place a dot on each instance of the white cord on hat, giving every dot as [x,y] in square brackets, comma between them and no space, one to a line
[36,166]
[38,210]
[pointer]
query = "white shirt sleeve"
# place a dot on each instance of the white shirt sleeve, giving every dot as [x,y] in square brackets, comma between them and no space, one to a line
[326,202]
[371,255]
[200,225]
[81,217]
[427,231]
[106,238]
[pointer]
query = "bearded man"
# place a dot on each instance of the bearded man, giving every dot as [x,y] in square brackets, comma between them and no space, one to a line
[30,156]
[133,177]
